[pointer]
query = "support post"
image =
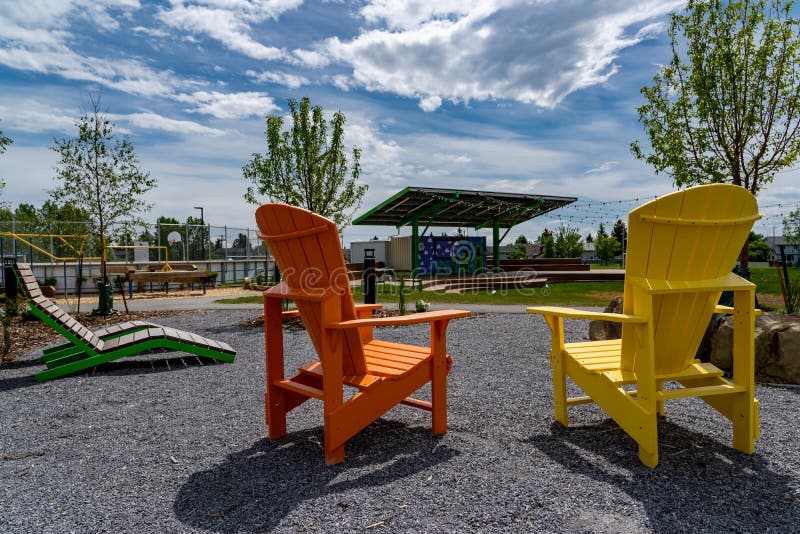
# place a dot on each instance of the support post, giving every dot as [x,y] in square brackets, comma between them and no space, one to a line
[414,248]
[496,244]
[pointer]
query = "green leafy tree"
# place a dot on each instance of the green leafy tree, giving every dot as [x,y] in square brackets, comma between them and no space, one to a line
[726,108]
[620,231]
[305,167]
[606,248]
[198,239]
[545,234]
[66,219]
[601,231]
[548,246]
[791,227]
[521,239]
[568,243]
[589,238]
[164,227]
[760,251]
[4,142]
[519,252]
[99,173]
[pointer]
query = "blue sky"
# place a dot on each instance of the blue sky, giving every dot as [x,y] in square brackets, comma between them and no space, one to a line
[533,96]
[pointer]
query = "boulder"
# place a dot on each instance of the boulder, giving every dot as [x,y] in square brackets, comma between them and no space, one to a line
[601,330]
[777,342]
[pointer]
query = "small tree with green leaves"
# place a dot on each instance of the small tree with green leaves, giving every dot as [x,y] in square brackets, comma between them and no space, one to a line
[4,142]
[726,108]
[758,247]
[304,167]
[606,248]
[620,231]
[519,252]
[791,227]
[568,242]
[99,173]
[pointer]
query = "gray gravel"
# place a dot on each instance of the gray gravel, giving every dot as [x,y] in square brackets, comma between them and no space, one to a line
[164,444]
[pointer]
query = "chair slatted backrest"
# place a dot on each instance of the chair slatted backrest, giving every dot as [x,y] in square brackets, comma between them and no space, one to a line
[691,235]
[68,324]
[307,250]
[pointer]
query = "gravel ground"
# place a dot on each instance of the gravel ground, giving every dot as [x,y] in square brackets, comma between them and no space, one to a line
[162,444]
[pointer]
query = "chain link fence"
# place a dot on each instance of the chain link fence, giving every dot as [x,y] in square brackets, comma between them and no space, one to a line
[37,242]
[53,248]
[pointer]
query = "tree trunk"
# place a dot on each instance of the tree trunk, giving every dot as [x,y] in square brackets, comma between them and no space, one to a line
[744,259]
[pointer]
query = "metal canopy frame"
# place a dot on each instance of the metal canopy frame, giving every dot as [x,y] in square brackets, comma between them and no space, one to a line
[459,208]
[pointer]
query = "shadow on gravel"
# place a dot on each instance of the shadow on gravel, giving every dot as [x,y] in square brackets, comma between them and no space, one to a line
[699,483]
[119,367]
[253,490]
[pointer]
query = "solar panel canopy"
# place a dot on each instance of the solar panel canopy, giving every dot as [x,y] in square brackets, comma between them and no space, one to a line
[459,208]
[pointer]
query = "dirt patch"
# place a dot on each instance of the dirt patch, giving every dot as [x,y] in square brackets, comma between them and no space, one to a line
[31,333]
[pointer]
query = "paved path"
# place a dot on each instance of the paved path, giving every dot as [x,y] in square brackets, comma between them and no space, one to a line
[209,303]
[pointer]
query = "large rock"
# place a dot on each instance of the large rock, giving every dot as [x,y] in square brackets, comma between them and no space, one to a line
[777,346]
[601,330]
[777,342]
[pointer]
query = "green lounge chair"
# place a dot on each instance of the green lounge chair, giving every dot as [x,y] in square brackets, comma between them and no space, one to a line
[87,348]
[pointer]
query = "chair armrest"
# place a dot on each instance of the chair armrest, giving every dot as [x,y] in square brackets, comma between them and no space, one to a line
[728,310]
[416,318]
[728,282]
[587,315]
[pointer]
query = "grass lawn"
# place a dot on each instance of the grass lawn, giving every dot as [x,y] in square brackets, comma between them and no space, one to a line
[571,293]
[575,293]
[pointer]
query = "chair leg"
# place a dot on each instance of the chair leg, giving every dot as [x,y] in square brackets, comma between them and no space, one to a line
[560,388]
[275,414]
[660,404]
[439,398]
[333,455]
[439,370]
[744,423]
[648,446]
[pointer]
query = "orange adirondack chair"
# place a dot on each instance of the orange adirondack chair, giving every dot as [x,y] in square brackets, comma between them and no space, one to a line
[681,249]
[307,250]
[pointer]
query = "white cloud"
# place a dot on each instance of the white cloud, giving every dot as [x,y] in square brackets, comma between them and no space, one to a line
[292,81]
[153,121]
[229,105]
[34,117]
[603,167]
[35,37]
[412,13]
[531,52]
[430,103]
[452,158]
[229,22]
[34,14]
[151,32]
[314,59]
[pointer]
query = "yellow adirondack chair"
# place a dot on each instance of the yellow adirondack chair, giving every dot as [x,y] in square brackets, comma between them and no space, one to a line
[306,248]
[680,252]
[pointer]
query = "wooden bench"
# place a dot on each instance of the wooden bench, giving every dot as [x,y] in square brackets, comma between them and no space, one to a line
[164,278]
[173,266]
